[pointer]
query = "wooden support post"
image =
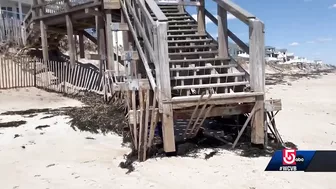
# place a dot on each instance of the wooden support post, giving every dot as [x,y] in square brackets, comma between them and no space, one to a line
[165,90]
[71,40]
[257,77]
[81,45]
[126,34]
[109,41]
[181,7]
[222,33]
[70,34]
[44,37]
[101,44]
[201,17]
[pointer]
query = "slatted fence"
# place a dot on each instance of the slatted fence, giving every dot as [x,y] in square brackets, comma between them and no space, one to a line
[16,73]
[51,75]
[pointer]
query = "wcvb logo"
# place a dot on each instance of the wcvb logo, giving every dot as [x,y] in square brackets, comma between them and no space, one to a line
[288,157]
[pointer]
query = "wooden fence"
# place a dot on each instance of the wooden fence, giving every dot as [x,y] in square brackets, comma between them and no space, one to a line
[11,31]
[52,75]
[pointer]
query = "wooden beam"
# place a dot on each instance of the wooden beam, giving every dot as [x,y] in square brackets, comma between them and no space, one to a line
[235,10]
[89,36]
[257,77]
[44,40]
[234,38]
[201,17]
[81,45]
[71,40]
[109,41]
[222,33]
[72,10]
[236,109]
[165,89]
[160,16]
[101,44]
[111,4]
[70,34]
[228,98]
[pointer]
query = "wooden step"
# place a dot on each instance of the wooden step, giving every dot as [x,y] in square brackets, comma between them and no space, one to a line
[183,26]
[193,46]
[168,6]
[165,11]
[183,31]
[180,21]
[175,14]
[207,76]
[203,67]
[212,85]
[200,53]
[200,60]
[190,41]
[186,17]
[187,35]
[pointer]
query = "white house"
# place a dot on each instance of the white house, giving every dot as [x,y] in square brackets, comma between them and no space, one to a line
[15,8]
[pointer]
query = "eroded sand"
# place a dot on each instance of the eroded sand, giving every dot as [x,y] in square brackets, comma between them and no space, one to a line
[63,158]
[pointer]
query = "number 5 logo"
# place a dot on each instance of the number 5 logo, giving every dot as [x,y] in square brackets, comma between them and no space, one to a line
[288,156]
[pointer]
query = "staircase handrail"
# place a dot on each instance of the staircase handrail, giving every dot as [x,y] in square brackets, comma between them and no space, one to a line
[126,4]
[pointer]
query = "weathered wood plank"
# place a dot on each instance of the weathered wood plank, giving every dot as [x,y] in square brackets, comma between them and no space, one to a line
[235,10]
[222,33]
[165,89]
[201,17]
[257,77]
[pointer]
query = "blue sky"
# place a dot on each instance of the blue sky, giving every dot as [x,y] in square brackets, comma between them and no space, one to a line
[304,27]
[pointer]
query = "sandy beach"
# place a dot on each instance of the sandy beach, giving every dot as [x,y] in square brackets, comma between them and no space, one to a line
[59,157]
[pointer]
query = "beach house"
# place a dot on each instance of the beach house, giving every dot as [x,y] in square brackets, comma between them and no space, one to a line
[15,8]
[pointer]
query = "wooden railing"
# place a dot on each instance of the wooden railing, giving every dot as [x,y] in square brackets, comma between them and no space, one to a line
[256,47]
[154,51]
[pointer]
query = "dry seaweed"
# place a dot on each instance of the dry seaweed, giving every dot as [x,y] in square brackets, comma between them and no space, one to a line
[97,116]
[42,127]
[12,124]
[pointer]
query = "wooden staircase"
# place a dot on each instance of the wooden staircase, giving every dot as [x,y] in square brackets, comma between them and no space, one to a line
[195,66]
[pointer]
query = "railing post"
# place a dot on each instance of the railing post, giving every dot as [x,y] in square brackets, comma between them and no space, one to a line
[81,45]
[181,6]
[201,17]
[109,40]
[70,34]
[165,88]
[44,37]
[222,33]
[257,77]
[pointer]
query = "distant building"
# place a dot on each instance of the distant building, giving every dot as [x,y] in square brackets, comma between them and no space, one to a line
[235,51]
[318,61]
[15,8]
[270,52]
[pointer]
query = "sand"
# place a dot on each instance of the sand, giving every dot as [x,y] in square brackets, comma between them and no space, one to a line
[59,157]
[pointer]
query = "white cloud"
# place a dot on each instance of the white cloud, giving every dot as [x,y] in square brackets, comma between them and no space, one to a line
[207,20]
[323,39]
[230,16]
[294,44]
[333,6]
[320,40]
